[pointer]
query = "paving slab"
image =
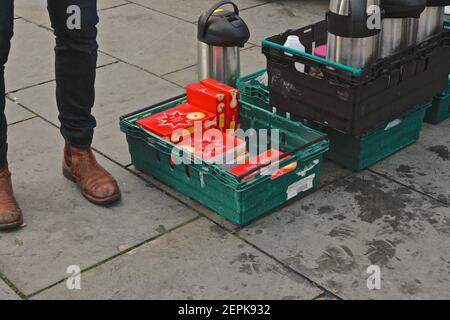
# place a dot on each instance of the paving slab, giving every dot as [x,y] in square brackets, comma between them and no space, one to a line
[197,261]
[278,16]
[190,10]
[330,172]
[36,10]
[31,60]
[151,40]
[191,203]
[120,89]
[252,60]
[6,293]
[424,166]
[64,229]
[445,123]
[335,234]
[15,113]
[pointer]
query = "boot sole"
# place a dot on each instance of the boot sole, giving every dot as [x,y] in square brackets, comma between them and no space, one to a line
[102,202]
[11,226]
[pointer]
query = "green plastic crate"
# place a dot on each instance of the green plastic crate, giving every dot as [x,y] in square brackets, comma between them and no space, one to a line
[440,109]
[238,200]
[358,153]
[252,91]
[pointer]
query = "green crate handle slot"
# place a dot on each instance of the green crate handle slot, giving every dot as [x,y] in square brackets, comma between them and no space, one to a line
[355,71]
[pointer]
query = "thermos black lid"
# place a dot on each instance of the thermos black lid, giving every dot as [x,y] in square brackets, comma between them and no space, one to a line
[219,27]
[438,3]
[403,8]
[353,25]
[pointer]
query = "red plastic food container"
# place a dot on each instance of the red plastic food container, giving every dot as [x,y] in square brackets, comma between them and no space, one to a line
[208,99]
[215,147]
[232,98]
[170,123]
[267,158]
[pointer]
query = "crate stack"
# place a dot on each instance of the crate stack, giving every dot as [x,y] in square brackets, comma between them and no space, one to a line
[440,110]
[368,113]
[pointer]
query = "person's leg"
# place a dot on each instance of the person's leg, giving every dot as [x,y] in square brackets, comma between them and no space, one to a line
[6,33]
[75,64]
[10,213]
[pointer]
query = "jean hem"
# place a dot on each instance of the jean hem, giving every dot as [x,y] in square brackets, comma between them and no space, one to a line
[78,145]
[3,162]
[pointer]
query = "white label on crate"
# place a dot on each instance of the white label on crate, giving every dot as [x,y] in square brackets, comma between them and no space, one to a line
[300,186]
[393,124]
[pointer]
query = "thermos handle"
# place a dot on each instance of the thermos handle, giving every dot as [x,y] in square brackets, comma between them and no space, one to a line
[205,18]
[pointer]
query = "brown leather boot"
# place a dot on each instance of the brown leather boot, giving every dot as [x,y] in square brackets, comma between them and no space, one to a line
[10,213]
[96,184]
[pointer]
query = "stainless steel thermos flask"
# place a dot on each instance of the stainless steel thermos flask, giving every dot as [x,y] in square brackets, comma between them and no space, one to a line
[351,41]
[397,18]
[221,33]
[431,21]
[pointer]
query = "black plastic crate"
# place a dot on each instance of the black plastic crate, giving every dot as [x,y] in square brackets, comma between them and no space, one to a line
[347,99]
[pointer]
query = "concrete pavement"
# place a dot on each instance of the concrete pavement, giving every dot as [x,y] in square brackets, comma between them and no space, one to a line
[159,244]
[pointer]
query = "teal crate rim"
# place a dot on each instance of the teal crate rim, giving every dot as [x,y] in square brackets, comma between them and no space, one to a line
[321,145]
[355,71]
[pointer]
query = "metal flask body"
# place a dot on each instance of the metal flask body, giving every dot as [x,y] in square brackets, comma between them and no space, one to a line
[219,63]
[394,36]
[221,34]
[397,17]
[431,22]
[350,41]
[352,52]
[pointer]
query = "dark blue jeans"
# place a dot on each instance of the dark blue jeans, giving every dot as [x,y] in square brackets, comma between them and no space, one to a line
[75,64]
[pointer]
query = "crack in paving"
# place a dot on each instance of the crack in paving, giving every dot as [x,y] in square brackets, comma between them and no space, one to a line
[12,286]
[121,253]
[408,187]
[161,12]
